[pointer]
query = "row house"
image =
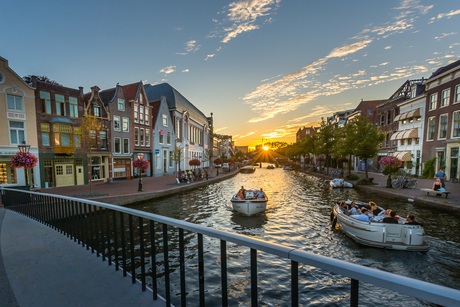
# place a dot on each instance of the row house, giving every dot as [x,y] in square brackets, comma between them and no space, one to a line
[58,116]
[365,108]
[98,128]
[442,120]
[192,129]
[303,132]
[18,123]
[338,119]
[410,132]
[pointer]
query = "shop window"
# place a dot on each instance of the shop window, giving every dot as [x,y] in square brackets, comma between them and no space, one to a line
[7,173]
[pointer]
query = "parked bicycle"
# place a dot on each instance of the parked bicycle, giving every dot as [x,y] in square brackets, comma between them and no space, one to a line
[404,182]
[336,174]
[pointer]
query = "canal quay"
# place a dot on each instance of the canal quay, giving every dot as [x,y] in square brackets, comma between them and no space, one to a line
[297,215]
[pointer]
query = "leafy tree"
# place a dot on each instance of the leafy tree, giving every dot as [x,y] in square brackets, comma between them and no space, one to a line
[326,141]
[369,138]
[177,155]
[208,155]
[346,141]
[28,79]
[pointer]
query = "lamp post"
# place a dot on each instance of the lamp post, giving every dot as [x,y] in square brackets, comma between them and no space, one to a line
[24,148]
[140,156]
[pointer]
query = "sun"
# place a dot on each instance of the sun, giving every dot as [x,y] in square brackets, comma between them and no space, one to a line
[265,148]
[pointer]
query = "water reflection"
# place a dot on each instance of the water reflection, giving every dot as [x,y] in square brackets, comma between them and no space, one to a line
[298,216]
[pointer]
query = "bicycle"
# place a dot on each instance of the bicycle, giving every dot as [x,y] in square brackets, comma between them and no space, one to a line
[404,182]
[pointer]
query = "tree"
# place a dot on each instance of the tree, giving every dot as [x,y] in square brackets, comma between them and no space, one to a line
[345,144]
[91,127]
[177,155]
[28,79]
[208,155]
[369,138]
[326,141]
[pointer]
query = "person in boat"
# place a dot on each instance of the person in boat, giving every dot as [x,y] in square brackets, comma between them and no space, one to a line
[375,210]
[437,185]
[261,194]
[363,216]
[410,220]
[391,219]
[241,193]
[354,209]
[344,207]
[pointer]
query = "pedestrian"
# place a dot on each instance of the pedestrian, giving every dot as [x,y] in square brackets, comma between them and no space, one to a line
[441,175]
[206,174]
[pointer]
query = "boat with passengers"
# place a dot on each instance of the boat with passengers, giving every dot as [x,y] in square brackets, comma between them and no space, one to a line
[375,233]
[249,204]
[247,169]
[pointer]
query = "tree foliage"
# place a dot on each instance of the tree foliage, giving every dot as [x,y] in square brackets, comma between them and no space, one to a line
[28,80]
[177,155]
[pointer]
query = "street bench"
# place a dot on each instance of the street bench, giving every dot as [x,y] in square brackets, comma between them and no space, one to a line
[435,193]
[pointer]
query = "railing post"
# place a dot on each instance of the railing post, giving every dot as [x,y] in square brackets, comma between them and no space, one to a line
[123,243]
[115,240]
[108,236]
[354,295]
[201,269]
[166,262]
[223,272]
[153,260]
[294,283]
[141,249]
[254,302]
[182,267]
[131,247]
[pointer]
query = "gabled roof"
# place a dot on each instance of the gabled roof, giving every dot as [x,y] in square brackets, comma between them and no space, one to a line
[107,96]
[175,101]
[132,90]
[155,110]
[443,69]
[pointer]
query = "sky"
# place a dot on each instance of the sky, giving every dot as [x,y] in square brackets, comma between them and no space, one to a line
[263,68]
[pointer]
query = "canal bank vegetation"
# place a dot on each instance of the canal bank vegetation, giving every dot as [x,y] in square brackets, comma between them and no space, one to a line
[335,145]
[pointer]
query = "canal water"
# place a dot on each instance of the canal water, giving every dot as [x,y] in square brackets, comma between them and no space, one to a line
[298,216]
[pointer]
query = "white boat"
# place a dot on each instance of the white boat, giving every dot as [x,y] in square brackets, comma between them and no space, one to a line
[250,205]
[377,234]
[270,167]
[340,183]
[287,167]
[247,169]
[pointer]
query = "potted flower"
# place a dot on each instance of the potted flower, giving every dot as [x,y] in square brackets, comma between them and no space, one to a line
[24,160]
[391,164]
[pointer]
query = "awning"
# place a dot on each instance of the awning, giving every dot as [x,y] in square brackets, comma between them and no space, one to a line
[403,155]
[409,134]
[407,115]
[397,117]
[396,136]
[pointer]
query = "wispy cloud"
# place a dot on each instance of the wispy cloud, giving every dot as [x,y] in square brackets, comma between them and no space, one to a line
[443,35]
[168,70]
[445,15]
[244,136]
[209,56]
[220,129]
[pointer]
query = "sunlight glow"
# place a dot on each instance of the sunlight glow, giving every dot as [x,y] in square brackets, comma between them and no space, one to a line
[265,148]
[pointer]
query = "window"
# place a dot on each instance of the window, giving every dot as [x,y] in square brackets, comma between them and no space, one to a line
[161,137]
[382,120]
[157,160]
[103,137]
[178,128]
[117,145]
[126,146]
[136,136]
[125,124]
[116,123]
[417,141]
[388,117]
[457,94]
[442,127]
[141,114]
[60,105]
[73,105]
[445,97]
[77,136]
[97,111]
[402,142]
[92,135]
[171,158]
[17,132]
[168,138]
[165,120]
[409,141]
[431,128]
[62,135]
[142,135]
[121,104]
[45,102]
[136,113]
[14,103]
[433,101]
[456,124]
[147,137]
[146,115]
[45,130]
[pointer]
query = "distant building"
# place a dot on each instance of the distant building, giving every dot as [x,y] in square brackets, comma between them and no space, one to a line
[243,149]
[339,119]
[223,145]
[366,108]
[303,132]
[442,120]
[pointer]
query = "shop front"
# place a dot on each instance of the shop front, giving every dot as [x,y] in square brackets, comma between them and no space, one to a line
[99,167]
[122,168]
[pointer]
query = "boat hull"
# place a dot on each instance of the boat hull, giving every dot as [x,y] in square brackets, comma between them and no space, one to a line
[382,235]
[247,170]
[340,183]
[249,207]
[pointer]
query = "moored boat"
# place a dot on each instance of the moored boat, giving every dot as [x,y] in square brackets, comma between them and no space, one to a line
[270,167]
[398,236]
[247,169]
[340,183]
[250,204]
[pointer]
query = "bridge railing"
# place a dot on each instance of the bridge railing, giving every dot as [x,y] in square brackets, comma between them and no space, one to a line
[110,232]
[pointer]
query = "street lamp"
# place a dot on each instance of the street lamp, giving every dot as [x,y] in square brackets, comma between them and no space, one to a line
[24,148]
[140,156]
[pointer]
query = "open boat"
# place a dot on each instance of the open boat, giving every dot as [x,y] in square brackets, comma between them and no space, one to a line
[340,183]
[377,234]
[247,169]
[250,205]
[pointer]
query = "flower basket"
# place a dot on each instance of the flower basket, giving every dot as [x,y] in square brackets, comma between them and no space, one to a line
[141,164]
[24,160]
[194,162]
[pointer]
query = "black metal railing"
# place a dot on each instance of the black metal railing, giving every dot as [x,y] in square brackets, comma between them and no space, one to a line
[141,243]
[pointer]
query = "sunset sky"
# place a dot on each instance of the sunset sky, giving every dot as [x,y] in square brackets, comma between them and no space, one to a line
[264,68]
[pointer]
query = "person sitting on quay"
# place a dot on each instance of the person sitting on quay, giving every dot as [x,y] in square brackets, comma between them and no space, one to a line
[261,194]
[410,220]
[391,219]
[441,175]
[437,185]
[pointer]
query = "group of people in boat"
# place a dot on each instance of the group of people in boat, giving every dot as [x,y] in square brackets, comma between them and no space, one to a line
[250,194]
[372,213]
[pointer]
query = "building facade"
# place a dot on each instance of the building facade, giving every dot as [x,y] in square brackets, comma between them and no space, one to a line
[18,123]
[442,119]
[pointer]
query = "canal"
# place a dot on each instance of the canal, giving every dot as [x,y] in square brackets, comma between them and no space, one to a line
[298,216]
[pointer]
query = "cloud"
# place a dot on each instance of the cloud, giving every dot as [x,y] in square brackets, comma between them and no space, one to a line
[220,129]
[168,70]
[192,46]
[185,70]
[246,135]
[448,15]
[209,56]
[444,35]
[387,47]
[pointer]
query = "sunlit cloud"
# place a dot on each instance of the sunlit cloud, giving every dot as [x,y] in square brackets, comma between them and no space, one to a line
[387,47]
[246,135]
[192,46]
[168,70]
[219,129]
[444,35]
[185,70]
[209,56]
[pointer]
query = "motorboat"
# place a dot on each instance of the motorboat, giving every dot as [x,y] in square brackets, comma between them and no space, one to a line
[247,169]
[270,167]
[398,236]
[340,183]
[287,167]
[250,204]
